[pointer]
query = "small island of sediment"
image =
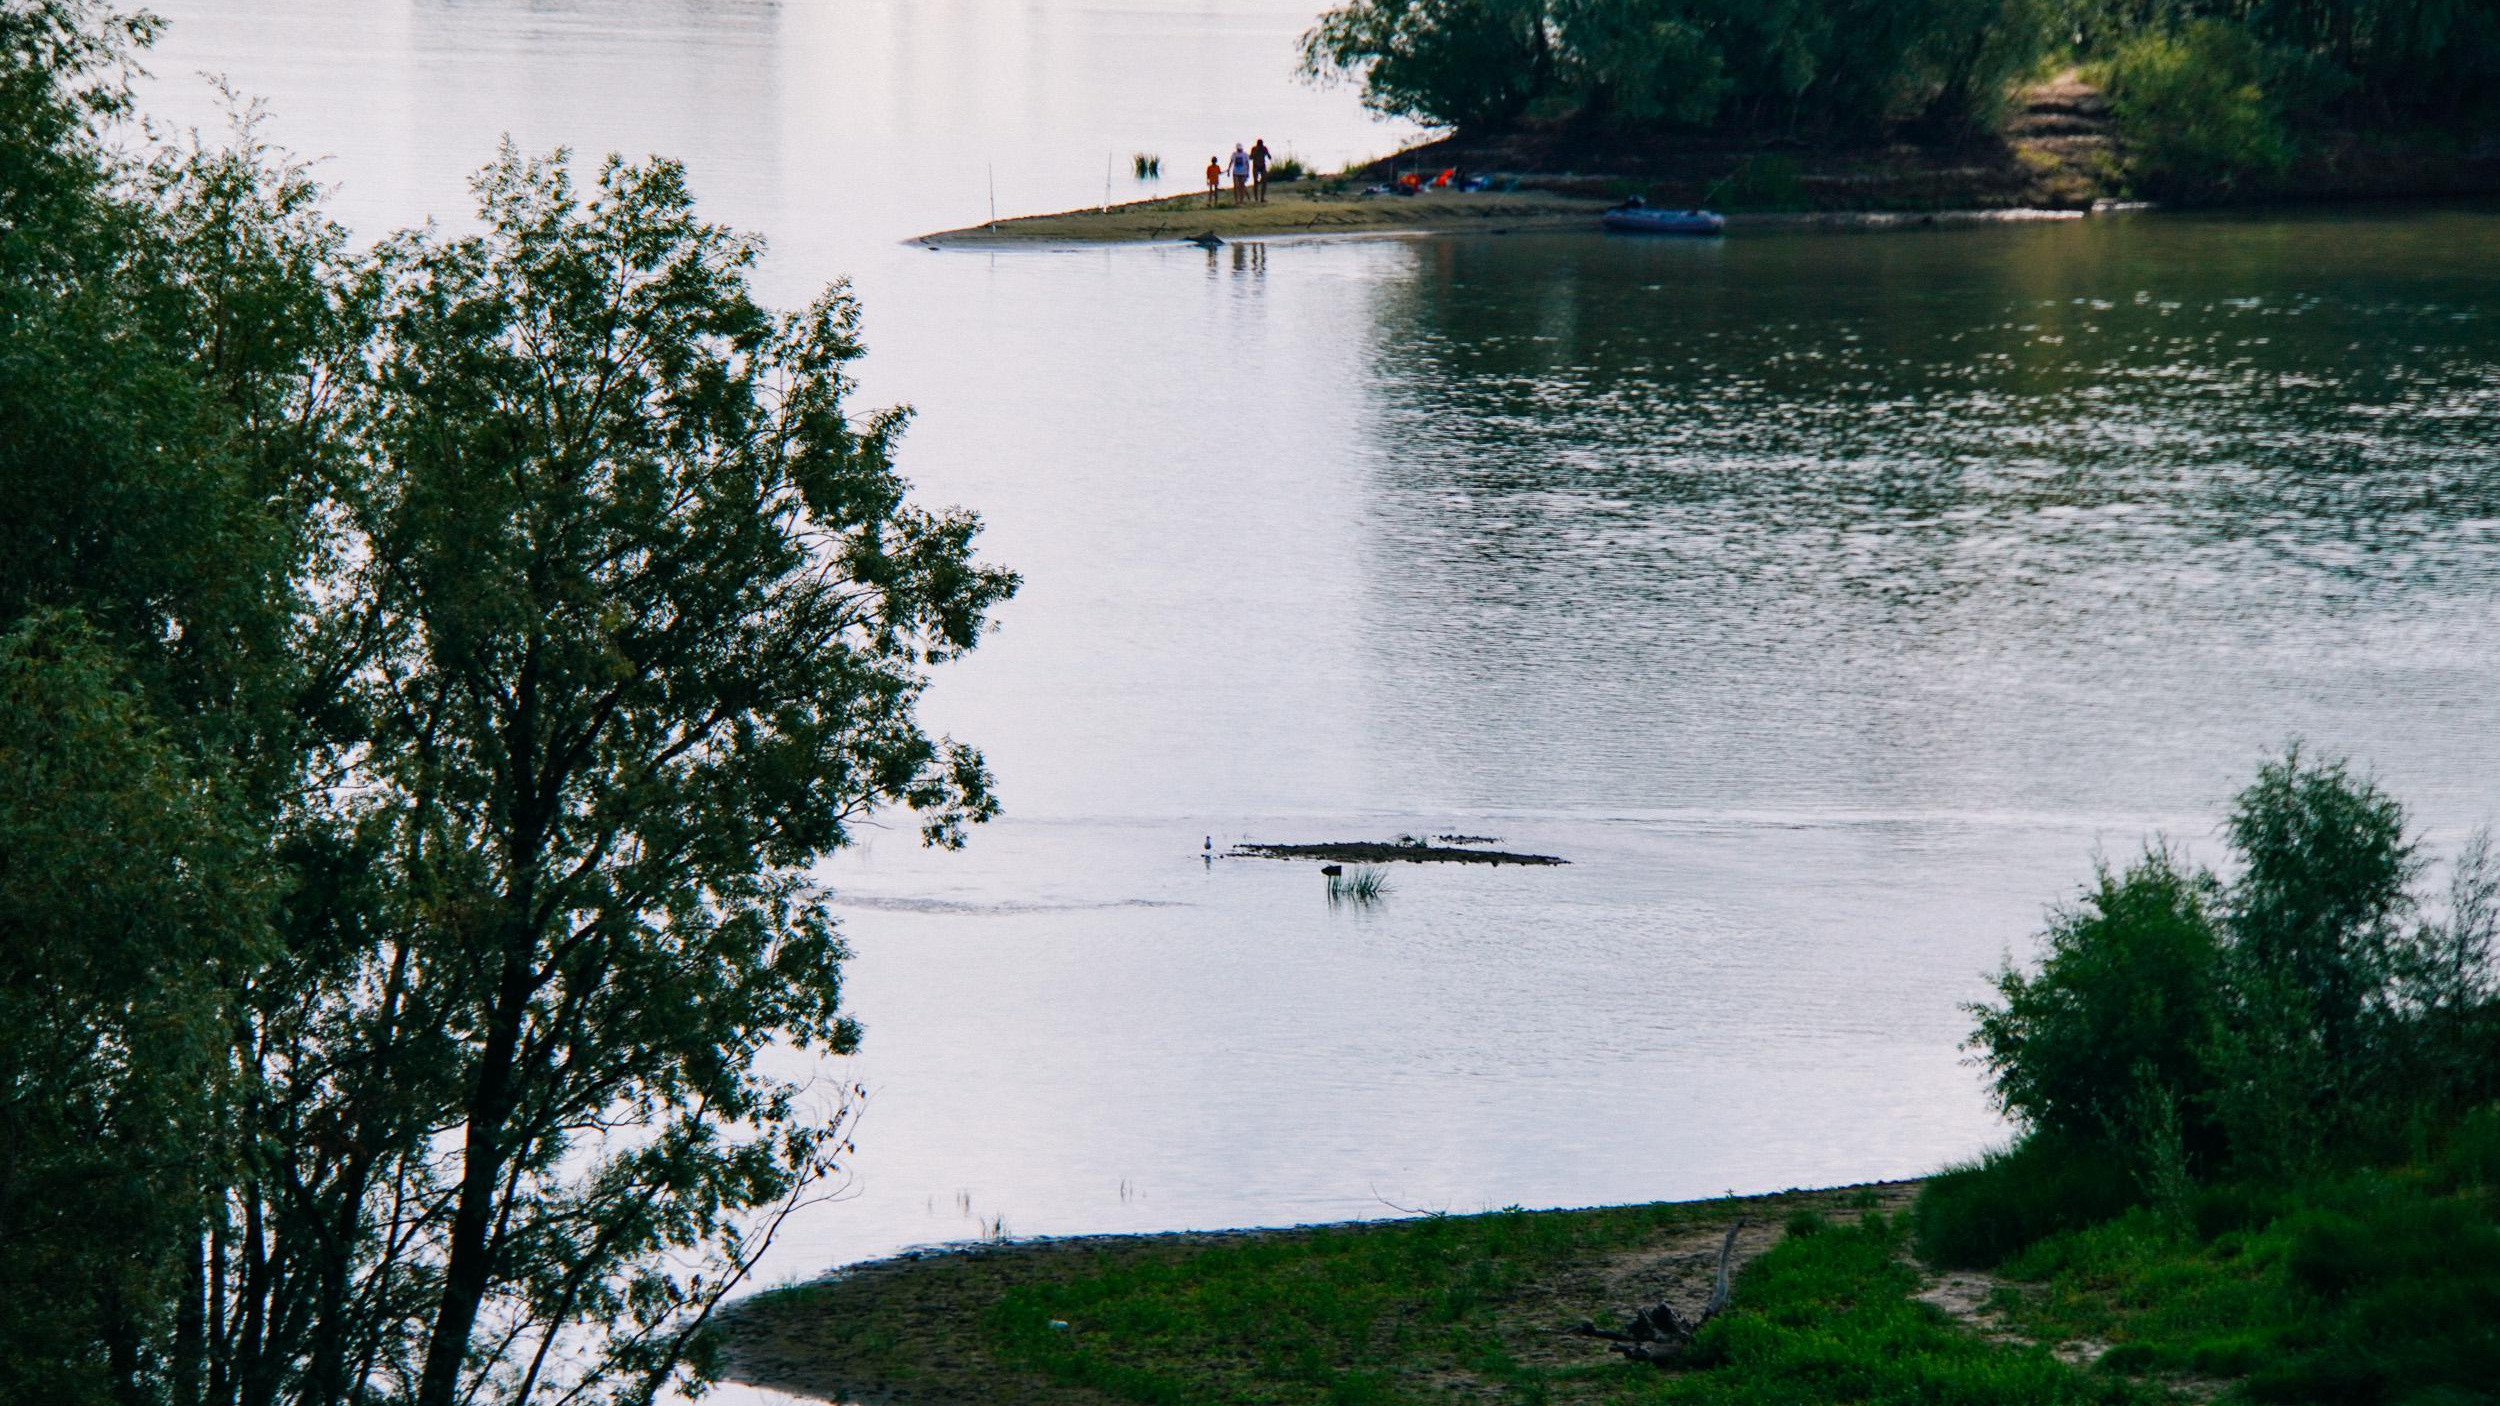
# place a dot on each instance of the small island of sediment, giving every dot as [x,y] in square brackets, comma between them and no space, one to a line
[1300,210]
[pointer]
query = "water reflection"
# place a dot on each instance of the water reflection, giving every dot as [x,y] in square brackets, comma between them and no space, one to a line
[1995,512]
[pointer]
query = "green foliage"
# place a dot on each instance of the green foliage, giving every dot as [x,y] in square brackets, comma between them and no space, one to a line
[1828,1317]
[1362,885]
[1320,1318]
[2165,1303]
[2124,994]
[2366,60]
[2312,1060]
[2323,893]
[634,629]
[2343,1246]
[2302,1016]
[2372,1288]
[125,487]
[147,597]
[1460,63]
[1979,1214]
[2194,112]
[1796,65]
[2471,1160]
[1641,64]
[1378,1313]
[115,972]
[2212,95]
[426,678]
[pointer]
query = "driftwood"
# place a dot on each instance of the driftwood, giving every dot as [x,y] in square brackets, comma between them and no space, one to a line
[1658,1334]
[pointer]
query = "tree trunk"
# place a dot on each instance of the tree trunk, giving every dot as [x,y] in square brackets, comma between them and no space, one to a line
[465,1269]
[121,1348]
[190,1320]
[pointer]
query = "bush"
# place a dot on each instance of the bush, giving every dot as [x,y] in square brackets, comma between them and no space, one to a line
[2375,1287]
[2404,1300]
[2235,1207]
[2121,1003]
[1980,1214]
[2313,1063]
[2201,108]
[2471,1160]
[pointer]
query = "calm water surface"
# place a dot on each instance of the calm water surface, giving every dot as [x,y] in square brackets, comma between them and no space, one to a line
[1827,600]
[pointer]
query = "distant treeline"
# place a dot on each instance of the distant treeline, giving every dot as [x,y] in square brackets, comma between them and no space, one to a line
[2240,79]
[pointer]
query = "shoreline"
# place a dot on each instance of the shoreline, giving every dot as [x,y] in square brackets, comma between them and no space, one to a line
[1303,217]
[2058,157]
[1301,210]
[914,1327]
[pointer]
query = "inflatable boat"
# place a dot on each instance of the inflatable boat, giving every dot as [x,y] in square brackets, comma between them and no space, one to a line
[1642,219]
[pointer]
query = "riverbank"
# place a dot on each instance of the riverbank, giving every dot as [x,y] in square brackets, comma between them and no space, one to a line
[1470,1306]
[1322,211]
[2058,156]
[2056,159]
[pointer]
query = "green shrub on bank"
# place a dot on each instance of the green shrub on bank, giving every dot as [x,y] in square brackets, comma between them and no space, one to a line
[2376,1287]
[2209,108]
[2302,1018]
[2124,995]
[2292,1074]
[1980,1214]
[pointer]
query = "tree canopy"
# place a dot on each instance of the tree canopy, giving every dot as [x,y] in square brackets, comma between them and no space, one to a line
[427,676]
[1862,67]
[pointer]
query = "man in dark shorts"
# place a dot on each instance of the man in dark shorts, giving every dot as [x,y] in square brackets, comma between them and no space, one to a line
[1259,157]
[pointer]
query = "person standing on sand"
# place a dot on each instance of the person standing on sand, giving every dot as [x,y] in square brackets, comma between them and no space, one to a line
[1241,175]
[1259,157]
[1215,180]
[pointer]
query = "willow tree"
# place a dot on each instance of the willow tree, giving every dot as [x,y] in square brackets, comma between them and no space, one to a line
[638,619]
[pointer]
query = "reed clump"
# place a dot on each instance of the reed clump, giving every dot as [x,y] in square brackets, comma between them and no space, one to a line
[1363,884]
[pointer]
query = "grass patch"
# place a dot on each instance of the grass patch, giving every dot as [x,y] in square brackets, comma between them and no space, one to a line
[1339,1316]
[1393,1314]
[1980,1214]
[2378,1287]
[1828,1317]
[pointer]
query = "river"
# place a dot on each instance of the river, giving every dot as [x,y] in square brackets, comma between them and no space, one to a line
[1829,601]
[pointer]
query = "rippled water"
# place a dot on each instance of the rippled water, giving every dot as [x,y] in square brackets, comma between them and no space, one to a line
[1827,600]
